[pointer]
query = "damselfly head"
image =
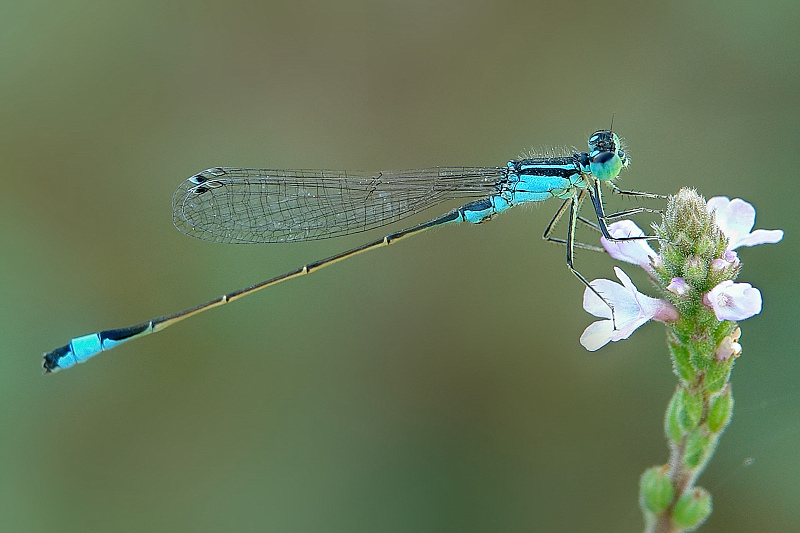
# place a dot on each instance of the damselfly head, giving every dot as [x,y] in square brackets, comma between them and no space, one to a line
[606,156]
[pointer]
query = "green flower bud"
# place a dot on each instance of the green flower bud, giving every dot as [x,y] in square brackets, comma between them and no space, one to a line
[697,449]
[681,363]
[672,421]
[656,491]
[719,414]
[692,509]
[692,409]
[717,374]
[695,271]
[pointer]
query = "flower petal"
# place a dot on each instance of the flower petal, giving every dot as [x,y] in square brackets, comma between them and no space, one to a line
[761,236]
[646,305]
[637,252]
[597,335]
[626,329]
[736,218]
[610,290]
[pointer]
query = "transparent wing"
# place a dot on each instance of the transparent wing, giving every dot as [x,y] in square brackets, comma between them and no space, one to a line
[240,205]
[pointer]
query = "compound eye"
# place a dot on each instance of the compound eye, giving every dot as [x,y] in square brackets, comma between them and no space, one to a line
[603,157]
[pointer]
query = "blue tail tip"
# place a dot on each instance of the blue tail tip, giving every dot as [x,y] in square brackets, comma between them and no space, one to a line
[55,360]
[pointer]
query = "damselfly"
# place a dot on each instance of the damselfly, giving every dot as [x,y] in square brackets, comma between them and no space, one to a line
[238,205]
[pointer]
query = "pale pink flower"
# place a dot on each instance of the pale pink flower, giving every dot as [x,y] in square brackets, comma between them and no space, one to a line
[728,259]
[678,287]
[733,301]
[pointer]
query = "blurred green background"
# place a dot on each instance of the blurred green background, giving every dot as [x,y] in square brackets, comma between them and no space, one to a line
[437,385]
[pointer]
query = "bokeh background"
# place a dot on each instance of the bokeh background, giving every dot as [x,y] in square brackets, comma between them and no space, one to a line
[436,385]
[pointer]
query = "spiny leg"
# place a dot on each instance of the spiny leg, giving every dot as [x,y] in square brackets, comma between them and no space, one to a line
[634,194]
[637,194]
[574,207]
[634,211]
[551,227]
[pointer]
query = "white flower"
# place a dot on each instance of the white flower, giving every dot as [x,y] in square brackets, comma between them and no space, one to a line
[736,218]
[733,301]
[631,310]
